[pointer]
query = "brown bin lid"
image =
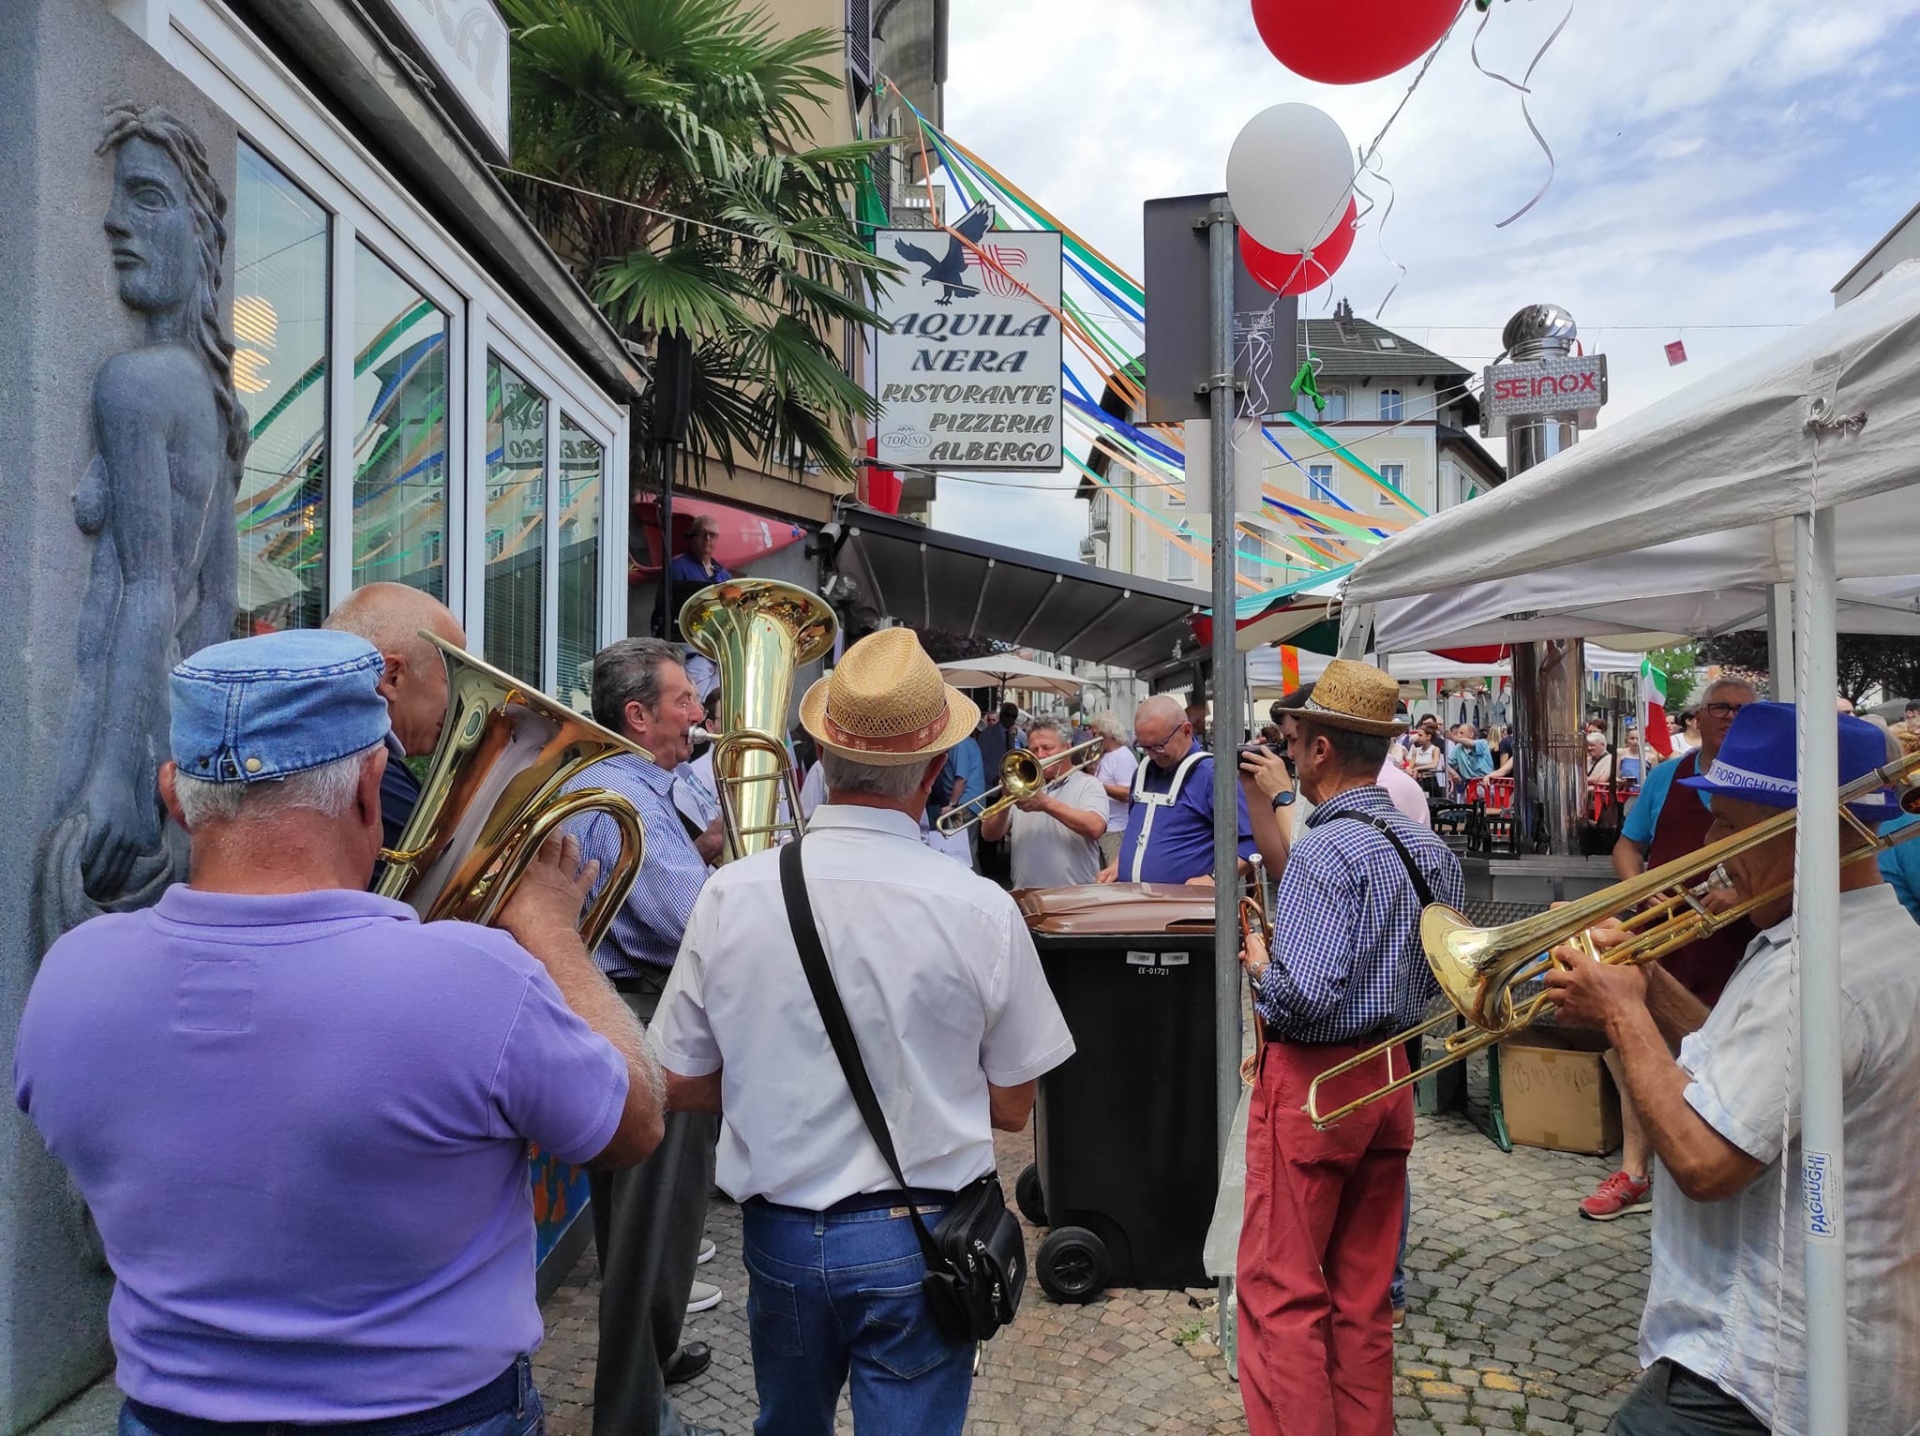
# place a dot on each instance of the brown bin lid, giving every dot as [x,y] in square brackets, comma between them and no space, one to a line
[1102,909]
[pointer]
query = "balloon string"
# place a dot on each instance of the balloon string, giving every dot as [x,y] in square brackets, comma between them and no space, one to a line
[1380,232]
[1524,86]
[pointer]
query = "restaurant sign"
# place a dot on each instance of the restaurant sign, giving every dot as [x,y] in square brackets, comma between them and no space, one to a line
[968,374]
[1543,386]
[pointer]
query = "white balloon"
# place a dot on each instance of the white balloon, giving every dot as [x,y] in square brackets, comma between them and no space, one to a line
[1289,176]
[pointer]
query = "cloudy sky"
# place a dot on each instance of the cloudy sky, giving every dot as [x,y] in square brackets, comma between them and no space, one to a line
[1721,163]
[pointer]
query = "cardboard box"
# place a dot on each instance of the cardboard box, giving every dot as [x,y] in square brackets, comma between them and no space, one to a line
[1557,1093]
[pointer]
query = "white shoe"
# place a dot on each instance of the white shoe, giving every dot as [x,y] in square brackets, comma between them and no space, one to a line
[707,1253]
[704,1297]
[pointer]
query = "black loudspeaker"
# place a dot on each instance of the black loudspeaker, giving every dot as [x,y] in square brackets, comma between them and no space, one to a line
[672,387]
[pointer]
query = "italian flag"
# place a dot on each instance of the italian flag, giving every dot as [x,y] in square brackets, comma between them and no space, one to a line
[1653,700]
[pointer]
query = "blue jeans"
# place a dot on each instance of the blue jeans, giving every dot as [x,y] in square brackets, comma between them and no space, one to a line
[528,1418]
[833,1294]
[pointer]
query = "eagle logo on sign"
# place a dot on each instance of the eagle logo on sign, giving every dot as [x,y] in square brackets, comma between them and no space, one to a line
[950,269]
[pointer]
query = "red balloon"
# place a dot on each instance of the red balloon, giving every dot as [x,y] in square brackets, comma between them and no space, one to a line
[1285,274]
[1347,42]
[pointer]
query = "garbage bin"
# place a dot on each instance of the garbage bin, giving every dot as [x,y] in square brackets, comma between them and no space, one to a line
[1127,1159]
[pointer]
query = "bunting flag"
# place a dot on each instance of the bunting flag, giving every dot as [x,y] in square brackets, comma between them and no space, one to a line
[1289,667]
[1653,703]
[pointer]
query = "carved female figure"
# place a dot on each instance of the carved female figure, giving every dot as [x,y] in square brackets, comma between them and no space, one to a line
[169,438]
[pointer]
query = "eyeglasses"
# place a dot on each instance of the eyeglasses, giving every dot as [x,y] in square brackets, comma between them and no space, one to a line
[1723,710]
[1161,746]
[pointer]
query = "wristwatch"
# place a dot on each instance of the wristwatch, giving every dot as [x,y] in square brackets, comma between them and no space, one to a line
[1283,800]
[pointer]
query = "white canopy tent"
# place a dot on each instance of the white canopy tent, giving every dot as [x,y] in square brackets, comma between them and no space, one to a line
[1264,667]
[1794,465]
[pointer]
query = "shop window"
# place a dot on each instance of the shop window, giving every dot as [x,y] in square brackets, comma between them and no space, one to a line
[582,475]
[517,515]
[400,442]
[280,372]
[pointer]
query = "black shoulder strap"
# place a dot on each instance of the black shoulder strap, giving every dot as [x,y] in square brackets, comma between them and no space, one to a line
[1385,829]
[833,1014]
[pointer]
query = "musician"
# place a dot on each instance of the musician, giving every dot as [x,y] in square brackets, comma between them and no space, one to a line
[1660,826]
[954,1023]
[1055,833]
[413,680]
[1169,833]
[1723,1339]
[1118,764]
[647,1223]
[1324,1209]
[299,1116]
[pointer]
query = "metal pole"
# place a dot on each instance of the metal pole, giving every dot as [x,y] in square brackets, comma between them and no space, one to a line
[1780,642]
[1221,255]
[1817,914]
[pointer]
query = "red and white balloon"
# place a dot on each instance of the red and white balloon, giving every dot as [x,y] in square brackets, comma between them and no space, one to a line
[1347,42]
[1298,273]
[1290,177]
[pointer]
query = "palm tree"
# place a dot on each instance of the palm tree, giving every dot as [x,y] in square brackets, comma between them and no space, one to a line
[692,112]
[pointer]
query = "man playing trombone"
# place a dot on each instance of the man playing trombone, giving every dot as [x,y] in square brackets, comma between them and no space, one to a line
[1723,1336]
[1056,832]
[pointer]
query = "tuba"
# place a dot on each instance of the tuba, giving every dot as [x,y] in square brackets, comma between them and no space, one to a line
[758,633]
[492,796]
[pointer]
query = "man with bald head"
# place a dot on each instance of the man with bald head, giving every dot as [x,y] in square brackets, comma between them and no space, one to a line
[1169,833]
[391,616]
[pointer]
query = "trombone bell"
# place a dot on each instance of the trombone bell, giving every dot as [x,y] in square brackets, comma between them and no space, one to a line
[757,632]
[1021,776]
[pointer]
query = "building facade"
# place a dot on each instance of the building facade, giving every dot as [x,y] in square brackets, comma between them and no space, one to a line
[1402,409]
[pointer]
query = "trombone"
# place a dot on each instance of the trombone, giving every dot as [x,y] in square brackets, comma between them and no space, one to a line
[1021,777]
[1479,969]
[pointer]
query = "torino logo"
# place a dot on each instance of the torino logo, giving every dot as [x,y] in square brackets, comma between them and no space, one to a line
[1008,258]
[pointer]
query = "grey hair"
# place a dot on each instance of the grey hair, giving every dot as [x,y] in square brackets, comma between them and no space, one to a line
[1728,682]
[328,790]
[894,783]
[628,671]
[1049,725]
[1108,726]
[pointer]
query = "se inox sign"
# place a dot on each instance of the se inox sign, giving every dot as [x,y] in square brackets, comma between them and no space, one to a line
[969,375]
[1544,386]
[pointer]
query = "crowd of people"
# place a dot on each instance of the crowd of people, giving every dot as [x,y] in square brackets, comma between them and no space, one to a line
[347,1096]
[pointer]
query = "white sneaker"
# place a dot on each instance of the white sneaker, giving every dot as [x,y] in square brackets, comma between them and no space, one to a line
[707,1253]
[704,1297]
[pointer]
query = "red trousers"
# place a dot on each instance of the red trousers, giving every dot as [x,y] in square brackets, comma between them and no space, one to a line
[1317,1248]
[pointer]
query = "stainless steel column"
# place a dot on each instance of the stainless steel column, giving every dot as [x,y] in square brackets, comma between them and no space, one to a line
[1549,757]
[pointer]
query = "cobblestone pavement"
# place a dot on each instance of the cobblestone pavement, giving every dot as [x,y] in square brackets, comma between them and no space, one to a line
[1522,1317]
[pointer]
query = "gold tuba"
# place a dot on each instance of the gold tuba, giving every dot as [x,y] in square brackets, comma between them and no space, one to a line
[492,796]
[757,632]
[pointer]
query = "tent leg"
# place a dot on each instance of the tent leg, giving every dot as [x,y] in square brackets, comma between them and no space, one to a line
[1817,910]
[1780,641]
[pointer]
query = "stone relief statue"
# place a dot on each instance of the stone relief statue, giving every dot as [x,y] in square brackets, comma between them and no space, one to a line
[169,437]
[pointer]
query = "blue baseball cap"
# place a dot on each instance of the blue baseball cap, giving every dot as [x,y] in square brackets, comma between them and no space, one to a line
[262,708]
[1758,761]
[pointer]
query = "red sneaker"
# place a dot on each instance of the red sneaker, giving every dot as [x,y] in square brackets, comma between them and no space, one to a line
[1618,1196]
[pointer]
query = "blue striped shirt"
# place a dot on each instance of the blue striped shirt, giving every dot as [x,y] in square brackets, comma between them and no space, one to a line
[1347,961]
[648,928]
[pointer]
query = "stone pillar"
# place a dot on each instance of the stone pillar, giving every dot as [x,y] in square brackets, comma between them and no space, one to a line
[108,386]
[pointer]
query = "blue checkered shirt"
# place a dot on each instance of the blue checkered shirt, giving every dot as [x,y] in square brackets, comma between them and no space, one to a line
[1347,961]
[648,928]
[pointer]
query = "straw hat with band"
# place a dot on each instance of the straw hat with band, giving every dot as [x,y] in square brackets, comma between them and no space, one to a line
[886,704]
[1355,696]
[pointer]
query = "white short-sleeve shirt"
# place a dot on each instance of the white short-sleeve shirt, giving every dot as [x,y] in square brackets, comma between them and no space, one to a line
[940,981]
[1721,1279]
[1049,854]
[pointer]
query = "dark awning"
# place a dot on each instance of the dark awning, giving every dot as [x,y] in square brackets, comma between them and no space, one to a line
[935,580]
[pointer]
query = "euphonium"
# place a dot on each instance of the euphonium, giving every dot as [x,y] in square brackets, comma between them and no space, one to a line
[758,633]
[1479,969]
[493,795]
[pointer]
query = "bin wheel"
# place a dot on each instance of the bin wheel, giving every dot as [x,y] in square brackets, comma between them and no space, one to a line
[1073,1265]
[1028,1197]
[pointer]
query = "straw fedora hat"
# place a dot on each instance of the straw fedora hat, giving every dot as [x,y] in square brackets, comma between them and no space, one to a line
[886,704]
[1354,696]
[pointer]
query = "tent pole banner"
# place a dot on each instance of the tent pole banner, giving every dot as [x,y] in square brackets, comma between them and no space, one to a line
[1817,947]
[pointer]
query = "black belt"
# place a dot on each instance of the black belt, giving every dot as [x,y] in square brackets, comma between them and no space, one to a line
[865,1202]
[498,1395]
[1365,1039]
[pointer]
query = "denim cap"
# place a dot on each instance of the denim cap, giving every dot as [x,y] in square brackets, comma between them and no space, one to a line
[1759,761]
[261,708]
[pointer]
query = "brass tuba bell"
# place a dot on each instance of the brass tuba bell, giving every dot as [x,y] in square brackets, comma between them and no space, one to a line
[493,795]
[757,632]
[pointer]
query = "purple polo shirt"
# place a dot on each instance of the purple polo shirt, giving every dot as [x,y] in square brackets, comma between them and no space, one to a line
[1180,845]
[301,1124]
